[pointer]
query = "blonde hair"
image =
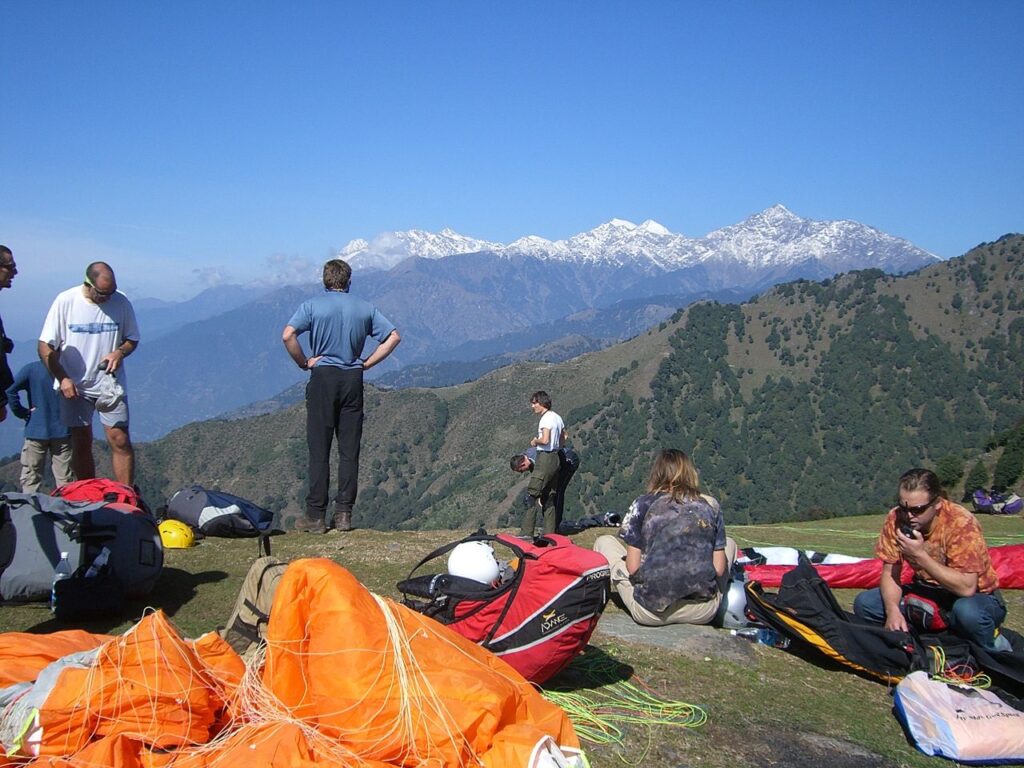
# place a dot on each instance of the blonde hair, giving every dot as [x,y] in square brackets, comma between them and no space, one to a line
[674,473]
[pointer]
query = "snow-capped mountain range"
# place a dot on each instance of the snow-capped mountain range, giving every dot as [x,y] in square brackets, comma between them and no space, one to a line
[774,239]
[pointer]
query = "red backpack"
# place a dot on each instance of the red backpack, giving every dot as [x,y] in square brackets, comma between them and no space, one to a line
[538,619]
[101,489]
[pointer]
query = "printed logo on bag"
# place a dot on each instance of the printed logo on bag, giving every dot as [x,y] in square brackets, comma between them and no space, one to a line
[1004,713]
[550,621]
[597,575]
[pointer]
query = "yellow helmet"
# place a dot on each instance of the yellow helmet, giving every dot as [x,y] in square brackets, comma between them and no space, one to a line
[176,535]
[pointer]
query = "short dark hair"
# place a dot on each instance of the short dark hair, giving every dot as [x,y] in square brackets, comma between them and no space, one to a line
[542,398]
[337,275]
[919,479]
[516,460]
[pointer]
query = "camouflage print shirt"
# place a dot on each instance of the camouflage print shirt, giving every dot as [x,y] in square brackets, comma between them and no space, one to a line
[677,539]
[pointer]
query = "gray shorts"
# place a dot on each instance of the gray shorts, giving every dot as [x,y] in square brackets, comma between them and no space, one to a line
[78,412]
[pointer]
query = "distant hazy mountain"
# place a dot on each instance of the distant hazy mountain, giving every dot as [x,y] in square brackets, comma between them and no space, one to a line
[212,366]
[603,324]
[455,298]
[158,317]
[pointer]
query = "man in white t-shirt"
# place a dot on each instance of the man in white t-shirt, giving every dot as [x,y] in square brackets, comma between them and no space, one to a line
[89,331]
[543,484]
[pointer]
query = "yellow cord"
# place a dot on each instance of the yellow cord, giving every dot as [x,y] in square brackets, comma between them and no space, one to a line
[597,712]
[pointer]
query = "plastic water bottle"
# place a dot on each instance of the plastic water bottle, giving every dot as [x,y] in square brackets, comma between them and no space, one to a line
[61,572]
[97,564]
[762,635]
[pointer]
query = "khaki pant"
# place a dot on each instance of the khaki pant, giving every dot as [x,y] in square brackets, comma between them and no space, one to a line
[680,612]
[33,458]
[542,489]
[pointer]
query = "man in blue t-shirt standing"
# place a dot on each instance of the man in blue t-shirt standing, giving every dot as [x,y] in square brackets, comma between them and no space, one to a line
[338,325]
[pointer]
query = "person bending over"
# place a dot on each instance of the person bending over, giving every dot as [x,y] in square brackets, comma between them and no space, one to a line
[568,463]
[674,565]
[954,582]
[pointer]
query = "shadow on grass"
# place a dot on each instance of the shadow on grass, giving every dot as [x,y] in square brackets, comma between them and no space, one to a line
[174,589]
[591,669]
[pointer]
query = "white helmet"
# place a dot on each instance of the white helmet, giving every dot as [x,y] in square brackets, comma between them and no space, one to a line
[734,605]
[474,560]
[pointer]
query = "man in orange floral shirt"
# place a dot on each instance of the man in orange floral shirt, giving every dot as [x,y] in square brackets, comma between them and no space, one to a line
[954,581]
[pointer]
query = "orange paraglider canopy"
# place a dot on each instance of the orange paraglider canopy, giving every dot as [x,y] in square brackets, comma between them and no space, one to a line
[346,678]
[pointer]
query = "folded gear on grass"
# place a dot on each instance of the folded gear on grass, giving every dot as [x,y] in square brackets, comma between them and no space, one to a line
[805,610]
[216,513]
[960,723]
[864,573]
[996,503]
[345,678]
[35,529]
[537,620]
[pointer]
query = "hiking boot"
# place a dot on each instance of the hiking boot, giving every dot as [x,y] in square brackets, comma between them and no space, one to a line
[343,521]
[311,526]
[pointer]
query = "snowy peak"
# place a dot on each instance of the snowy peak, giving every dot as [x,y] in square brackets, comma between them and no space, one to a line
[354,247]
[654,228]
[773,239]
[390,248]
[778,238]
[618,224]
[777,213]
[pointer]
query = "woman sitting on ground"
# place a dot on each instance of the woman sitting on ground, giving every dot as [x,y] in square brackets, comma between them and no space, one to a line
[674,567]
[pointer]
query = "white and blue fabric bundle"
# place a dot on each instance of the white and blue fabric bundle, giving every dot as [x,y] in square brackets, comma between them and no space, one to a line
[959,722]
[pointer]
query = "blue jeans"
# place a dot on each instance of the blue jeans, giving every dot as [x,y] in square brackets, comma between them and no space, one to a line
[974,618]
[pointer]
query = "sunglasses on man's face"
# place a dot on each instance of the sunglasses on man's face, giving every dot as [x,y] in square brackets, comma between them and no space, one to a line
[914,511]
[97,291]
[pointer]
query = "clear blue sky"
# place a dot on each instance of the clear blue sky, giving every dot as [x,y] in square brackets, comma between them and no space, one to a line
[191,142]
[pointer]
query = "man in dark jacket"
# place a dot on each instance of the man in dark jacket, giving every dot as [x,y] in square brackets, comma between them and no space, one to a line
[8,269]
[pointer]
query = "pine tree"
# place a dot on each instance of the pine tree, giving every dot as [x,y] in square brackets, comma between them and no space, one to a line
[976,478]
[1011,462]
[950,469]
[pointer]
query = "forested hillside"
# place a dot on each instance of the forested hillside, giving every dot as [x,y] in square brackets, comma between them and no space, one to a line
[811,399]
[807,401]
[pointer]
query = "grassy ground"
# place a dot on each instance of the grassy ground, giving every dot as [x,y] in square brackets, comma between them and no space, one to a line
[774,708]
